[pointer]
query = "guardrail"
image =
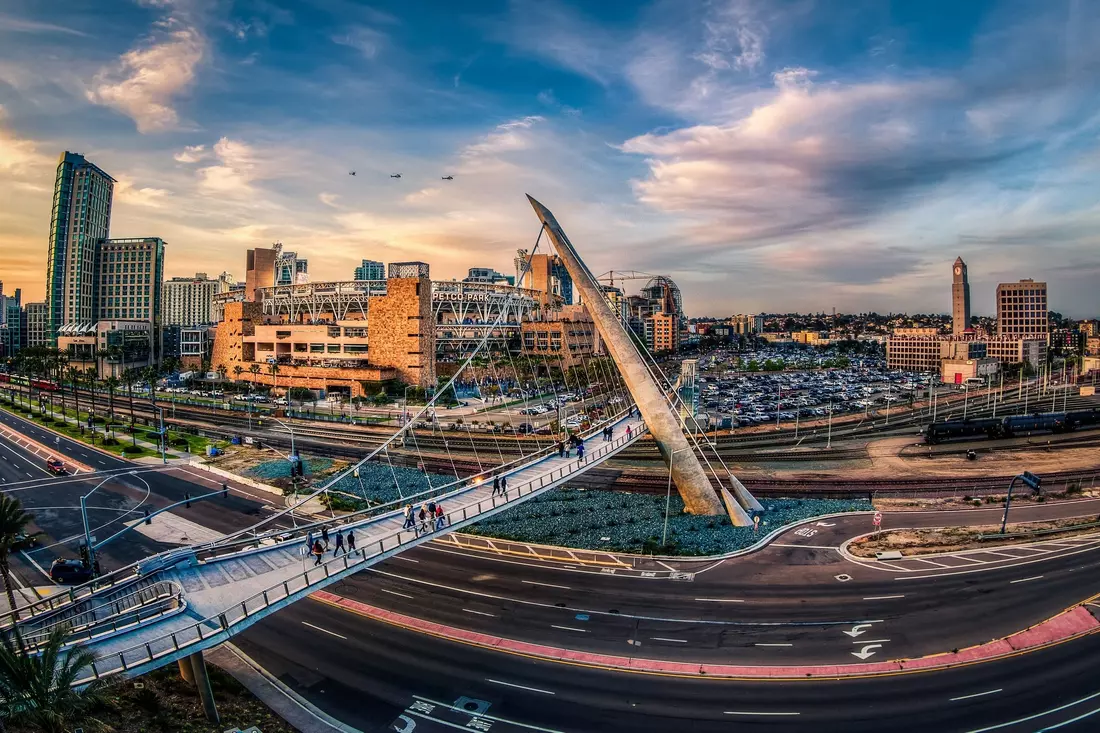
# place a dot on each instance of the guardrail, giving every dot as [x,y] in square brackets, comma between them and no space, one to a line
[222,624]
[1037,532]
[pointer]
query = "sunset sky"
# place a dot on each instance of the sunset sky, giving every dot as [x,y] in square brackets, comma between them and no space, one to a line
[768,156]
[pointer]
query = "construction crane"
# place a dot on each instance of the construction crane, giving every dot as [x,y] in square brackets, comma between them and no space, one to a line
[610,276]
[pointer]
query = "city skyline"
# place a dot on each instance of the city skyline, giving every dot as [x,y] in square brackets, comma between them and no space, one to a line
[725,150]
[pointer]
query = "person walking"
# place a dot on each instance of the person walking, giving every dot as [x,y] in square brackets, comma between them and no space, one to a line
[580,451]
[318,551]
[440,517]
[431,509]
[410,519]
[504,486]
[324,536]
[339,543]
[628,432]
[496,485]
[423,521]
[561,449]
[351,541]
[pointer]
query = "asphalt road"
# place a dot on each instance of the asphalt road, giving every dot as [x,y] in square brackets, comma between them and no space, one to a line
[369,674]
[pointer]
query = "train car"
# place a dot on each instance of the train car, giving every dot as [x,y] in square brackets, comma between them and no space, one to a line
[44,384]
[984,428]
[1082,419]
[19,379]
[1054,422]
[5,378]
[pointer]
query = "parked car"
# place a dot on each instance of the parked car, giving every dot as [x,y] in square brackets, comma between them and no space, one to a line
[68,571]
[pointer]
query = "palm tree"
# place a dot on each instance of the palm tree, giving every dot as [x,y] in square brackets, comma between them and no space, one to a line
[130,378]
[254,370]
[13,522]
[112,385]
[274,369]
[90,375]
[37,688]
[73,378]
[222,371]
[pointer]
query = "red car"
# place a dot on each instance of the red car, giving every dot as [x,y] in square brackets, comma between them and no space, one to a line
[55,466]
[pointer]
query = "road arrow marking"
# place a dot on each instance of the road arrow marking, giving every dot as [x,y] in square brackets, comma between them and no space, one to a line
[857,630]
[865,653]
[826,524]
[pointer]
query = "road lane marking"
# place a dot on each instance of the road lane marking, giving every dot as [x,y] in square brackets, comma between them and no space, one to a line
[1024,580]
[665,638]
[545,585]
[521,687]
[721,600]
[774,644]
[804,547]
[977,694]
[406,559]
[568,628]
[1039,715]
[870,641]
[756,712]
[330,633]
[479,613]
[485,715]
[882,598]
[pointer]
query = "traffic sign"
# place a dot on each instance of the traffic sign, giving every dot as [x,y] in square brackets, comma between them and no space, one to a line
[878,519]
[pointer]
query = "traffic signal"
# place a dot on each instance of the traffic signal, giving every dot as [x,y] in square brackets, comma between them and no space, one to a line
[1032,480]
[225,490]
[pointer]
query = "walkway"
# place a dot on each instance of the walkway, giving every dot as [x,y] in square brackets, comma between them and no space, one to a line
[225,587]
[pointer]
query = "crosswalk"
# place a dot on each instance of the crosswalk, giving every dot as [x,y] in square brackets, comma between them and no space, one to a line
[981,558]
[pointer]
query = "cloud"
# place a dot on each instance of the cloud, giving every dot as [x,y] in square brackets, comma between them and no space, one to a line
[17,156]
[21,25]
[146,80]
[733,37]
[329,199]
[191,154]
[422,196]
[127,192]
[367,41]
[236,169]
[505,138]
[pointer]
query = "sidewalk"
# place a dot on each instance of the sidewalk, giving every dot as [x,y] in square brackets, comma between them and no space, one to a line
[1072,623]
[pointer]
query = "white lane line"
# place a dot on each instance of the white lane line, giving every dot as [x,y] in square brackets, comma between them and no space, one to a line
[330,633]
[1024,580]
[755,712]
[720,600]
[774,644]
[406,559]
[882,598]
[977,694]
[479,613]
[395,593]
[804,547]
[870,641]
[486,716]
[569,628]
[545,585]
[521,687]
[665,638]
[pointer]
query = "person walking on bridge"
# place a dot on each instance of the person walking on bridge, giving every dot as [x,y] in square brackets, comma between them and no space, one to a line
[580,451]
[629,432]
[561,449]
[318,551]
[440,517]
[351,541]
[496,486]
[339,543]
[410,520]
[423,527]
[504,486]
[324,535]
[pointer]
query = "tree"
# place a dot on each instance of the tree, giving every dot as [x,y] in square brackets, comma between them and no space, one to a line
[74,376]
[238,370]
[112,385]
[222,371]
[13,522]
[36,687]
[274,369]
[90,375]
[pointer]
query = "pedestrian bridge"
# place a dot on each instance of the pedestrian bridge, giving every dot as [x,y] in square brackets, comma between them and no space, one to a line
[186,600]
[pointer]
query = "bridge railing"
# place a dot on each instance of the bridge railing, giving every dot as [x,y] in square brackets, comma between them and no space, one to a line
[223,624]
[221,548]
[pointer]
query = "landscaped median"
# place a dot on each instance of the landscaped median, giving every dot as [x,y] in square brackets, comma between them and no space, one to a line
[1072,623]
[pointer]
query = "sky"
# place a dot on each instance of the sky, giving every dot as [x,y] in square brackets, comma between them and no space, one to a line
[768,155]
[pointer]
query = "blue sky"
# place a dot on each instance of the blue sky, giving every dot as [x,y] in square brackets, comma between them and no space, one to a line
[767,155]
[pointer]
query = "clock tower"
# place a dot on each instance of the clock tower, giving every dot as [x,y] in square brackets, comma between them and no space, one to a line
[960,299]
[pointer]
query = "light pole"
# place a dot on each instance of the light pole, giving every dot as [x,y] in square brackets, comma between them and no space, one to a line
[888,401]
[84,518]
[160,414]
[290,429]
[1028,478]
[668,493]
[966,399]
[829,443]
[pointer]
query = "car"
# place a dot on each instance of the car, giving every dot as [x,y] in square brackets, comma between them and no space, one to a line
[55,466]
[68,571]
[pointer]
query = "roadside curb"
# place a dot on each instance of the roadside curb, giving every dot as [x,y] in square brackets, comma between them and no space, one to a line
[283,701]
[1070,624]
[66,437]
[16,437]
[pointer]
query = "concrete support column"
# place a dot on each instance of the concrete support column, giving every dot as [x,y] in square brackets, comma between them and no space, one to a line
[202,682]
[687,472]
[186,672]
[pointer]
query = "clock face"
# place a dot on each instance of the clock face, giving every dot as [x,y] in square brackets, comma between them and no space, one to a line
[958,270]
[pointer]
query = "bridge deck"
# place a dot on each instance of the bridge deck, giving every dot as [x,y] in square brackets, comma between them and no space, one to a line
[225,590]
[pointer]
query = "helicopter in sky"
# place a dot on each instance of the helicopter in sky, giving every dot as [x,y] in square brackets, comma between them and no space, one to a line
[448,178]
[395,175]
[351,173]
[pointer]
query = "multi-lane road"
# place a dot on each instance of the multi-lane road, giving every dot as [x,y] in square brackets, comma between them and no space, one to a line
[799,601]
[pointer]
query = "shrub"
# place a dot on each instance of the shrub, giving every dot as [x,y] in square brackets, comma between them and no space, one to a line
[133,449]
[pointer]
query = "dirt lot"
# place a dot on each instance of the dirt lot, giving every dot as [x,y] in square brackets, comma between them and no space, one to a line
[952,539]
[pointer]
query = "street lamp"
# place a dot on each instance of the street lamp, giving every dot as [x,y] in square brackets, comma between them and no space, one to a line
[966,399]
[829,443]
[888,401]
[84,518]
[1028,478]
[668,494]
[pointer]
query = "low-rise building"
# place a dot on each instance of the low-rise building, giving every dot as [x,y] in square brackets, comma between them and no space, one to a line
[568,335]
[957,371]
[109,346]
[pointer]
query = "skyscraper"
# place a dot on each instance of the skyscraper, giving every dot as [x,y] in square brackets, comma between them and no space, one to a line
[960,299]
[81,217]
[130,283]
[371,270]
[188,301]
[1022,310]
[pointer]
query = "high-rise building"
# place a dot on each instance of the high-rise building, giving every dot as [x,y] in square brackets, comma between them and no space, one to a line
[744,325]
[545,273]
[960,299]
[488,275]
[1022,310]
[129,277]
[371,270]
[189,301]
[13,324]
[290,269]
[80,218]
[38,325]
[259,271]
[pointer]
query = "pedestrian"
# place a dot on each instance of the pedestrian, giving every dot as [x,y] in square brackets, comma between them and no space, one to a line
[351,541]
[317,552]
[339,543]
[580,451]
[324,536]
[504,486]
[561,449]
[440,517]
[423,521]
[410,519]
[496,485]
[628,432]
[431,508]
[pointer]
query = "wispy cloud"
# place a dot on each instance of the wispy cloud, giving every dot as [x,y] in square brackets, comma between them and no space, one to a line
[191,154]
[12,24]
